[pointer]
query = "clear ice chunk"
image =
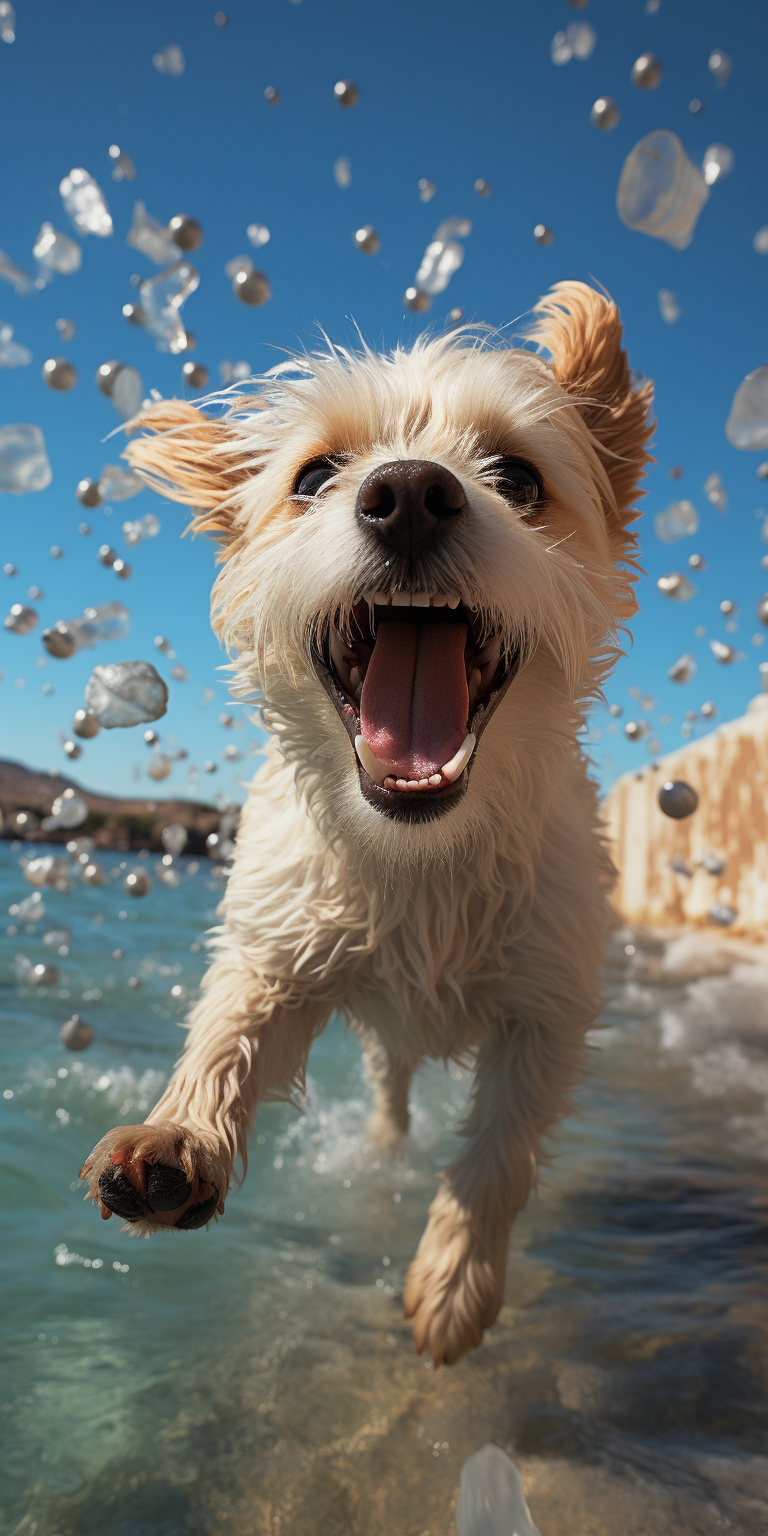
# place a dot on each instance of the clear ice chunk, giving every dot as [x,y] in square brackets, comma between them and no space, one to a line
[677,521]
[108,622]
[342,172]
[162,298]
[747,425]
[718,162]
[443,256]
[118,484]
[234,373]
[760,240]
[258,234]
[720,65]
[67,812]
[668,306]
[676,586]
[55,252]
[683,669]
[126,693]
[24,462]
[725,654]
[661,192]
[169,61]
[582,38]
[127,392]
[12,353]
[20,281]
[149,236]
[715,492]
[492,1501]
[146,527]
[7,22]
[174,838]
[86,204]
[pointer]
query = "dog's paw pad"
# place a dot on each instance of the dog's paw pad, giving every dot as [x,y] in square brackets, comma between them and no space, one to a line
[167,1188]
[197,1215]
[119,1195]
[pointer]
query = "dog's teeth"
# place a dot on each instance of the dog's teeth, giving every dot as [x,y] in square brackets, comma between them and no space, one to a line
[458,763]
[401,599]
[356,681]
[435,779]
[438,600]
[453,599]
[419,599]
[381,599]
[375,770]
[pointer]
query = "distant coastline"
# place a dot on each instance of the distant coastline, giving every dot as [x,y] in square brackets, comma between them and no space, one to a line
[112,822]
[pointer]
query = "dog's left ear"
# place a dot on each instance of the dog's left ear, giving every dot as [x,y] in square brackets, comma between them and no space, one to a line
[192,458]
[582,332]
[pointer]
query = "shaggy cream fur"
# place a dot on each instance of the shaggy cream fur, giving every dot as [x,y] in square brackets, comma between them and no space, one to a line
[476,936]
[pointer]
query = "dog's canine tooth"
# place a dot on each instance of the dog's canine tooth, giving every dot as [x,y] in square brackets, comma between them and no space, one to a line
[381,599]
[458,762]
[453,599]
[419,599]
[401,599]
[375,769]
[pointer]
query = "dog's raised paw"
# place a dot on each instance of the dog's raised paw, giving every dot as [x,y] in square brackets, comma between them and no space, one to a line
[154,1176]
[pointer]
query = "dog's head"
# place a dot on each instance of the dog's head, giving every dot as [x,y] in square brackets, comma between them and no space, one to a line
[415,546]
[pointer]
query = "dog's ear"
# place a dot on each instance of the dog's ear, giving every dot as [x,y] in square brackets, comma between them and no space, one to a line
[582,332]
[192,458]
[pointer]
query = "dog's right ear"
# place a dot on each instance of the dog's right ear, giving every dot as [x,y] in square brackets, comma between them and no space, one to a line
[194,459]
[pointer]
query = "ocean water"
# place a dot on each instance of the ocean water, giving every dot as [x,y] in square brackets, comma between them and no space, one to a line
[257,1379]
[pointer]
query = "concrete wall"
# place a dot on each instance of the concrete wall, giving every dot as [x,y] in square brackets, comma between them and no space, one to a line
[729,771]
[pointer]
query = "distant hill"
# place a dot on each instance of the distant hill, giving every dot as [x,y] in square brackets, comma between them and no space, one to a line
[112,822]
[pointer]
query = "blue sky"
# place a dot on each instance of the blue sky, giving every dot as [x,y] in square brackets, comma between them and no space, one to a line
[447,92]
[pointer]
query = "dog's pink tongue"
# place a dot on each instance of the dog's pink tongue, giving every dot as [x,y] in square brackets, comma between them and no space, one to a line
[413,711]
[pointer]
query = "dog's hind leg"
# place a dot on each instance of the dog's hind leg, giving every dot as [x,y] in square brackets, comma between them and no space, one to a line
[455,1285]
[391,1079]
[248,1040]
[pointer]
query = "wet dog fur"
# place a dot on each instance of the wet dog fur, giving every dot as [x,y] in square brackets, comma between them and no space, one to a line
[474,935]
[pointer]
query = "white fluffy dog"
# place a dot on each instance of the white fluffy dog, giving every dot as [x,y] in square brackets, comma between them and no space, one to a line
[425,557]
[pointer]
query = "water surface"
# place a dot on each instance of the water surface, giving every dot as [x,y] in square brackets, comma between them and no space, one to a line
[258,1379]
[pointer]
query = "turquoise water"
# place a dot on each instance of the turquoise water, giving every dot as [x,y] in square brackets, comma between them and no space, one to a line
[258,1377]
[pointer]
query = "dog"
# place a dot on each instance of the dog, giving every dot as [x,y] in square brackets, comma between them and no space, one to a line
[426,559]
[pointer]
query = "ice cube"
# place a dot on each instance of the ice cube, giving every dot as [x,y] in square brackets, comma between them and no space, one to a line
[258,234]
[86,204]
[582,38]
[7,22]
[427,190]
[109,621]
[20,281]
[24,462]
[149,236]
[677,521]
[720,65]
[118,484]
[159,766]
[661,192]
[12,353]
[443,256]
[725,653]
[676,586]
[169,61]
[747,425]
[123,168]
[715,491]
[760,241]
[492,1500]
[21,619]
[668,305]
[174,838]
[127,392]
[162,298]
[683,669]
[560,50]
[342,172]
[718,162]
[68,811]
[55,252]
[125,693]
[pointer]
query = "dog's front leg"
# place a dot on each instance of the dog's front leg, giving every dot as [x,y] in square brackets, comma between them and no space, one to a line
[248,1040]
[455,1285]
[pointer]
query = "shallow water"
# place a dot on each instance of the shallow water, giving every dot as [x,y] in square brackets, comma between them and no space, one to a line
[258,1377]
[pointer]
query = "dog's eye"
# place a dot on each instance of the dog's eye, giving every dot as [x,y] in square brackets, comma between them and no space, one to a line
[313,477]
[517,482]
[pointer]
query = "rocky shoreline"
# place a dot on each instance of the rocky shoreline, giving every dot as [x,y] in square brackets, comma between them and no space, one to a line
[112,822]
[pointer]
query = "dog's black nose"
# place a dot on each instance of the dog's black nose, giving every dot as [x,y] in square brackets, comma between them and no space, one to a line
[409,503]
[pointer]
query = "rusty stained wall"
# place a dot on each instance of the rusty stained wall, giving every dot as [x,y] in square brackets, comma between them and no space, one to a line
[729,771]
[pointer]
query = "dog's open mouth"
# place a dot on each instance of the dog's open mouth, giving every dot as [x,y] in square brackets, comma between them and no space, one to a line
[415,685]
